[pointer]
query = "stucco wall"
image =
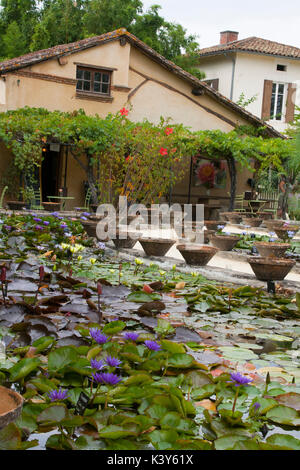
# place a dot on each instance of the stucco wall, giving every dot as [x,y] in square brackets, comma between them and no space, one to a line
[162,94]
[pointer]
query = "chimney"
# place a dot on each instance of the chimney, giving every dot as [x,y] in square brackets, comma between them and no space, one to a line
[228,36]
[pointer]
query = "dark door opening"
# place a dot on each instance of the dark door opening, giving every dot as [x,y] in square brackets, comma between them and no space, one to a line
[50,173]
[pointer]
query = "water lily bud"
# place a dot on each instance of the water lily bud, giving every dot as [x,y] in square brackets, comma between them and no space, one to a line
[93,260]
[99,288]
[147,289]
[42,272]
[3,274]
[79,258]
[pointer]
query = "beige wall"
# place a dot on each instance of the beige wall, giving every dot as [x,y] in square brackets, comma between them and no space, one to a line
[163,94]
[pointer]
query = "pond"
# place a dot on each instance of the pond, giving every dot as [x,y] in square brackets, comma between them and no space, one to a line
[111,354]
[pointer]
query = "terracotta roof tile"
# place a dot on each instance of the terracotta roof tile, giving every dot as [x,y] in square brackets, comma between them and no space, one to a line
[253,44]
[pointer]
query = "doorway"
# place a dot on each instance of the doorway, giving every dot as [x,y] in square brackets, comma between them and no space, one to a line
[51,171]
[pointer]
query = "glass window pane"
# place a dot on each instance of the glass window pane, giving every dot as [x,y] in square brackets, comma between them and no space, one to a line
[79,73]
[97,87]
[79,85]
[274,88]
[279,107]
[97,77]
[87,75]
[86,86]
[281,89]
[272,107]
[105,78]
[105,88]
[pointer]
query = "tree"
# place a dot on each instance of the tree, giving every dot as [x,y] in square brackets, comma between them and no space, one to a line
[14,41]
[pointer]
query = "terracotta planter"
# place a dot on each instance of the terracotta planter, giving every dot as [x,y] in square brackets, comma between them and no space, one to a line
[270,269]
[252,221]
[52,206]
[224,242]
[282,232]
[272,249]
[234,217]
[156,246]
[125,242]
[272,224]
[16,205]
[197,255]
[10,406]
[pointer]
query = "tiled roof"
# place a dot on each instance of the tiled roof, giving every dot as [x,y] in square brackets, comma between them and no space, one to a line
[253,44]
[65,49]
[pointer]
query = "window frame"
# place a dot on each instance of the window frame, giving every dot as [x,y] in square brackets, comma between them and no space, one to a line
[92,71]
[284,97]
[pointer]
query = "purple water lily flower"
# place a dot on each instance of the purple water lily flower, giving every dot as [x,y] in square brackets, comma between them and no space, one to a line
[290,233]
[98,365]
[107,378]
[60,394]
[238,379]
[38,227]
[36,219]
[152,345]
[83,218]
[113,361]
[7,227]
[131,336]
[98,336]
[101,246]
[256,405]
[85,214]
[46,222]
[55,214]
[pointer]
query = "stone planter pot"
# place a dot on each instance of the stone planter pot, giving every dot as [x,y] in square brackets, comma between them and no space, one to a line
[125,242]
[16,205]
[265,215]
[156,246]
[11,404]
[224,242]
[272,249]
[90,226]
[197,255]
[52,206]
[272,224]
[252,221]
[207,235]
[247,215]
[212,224]
[270,269]
[282,232]
[223,216]
[234,217]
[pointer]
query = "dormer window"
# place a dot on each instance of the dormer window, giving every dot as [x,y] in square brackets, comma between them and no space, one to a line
[93,80]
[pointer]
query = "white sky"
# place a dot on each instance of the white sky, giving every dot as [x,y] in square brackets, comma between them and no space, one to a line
[275,20]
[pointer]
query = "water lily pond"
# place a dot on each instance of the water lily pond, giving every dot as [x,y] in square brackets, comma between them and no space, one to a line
[116,355]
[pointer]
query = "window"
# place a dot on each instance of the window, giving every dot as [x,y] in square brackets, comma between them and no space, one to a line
[213,83]
[277,101]
[281,68]
[93,81]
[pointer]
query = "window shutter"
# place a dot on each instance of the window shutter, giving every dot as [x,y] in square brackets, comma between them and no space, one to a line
[266,105]
[290,102]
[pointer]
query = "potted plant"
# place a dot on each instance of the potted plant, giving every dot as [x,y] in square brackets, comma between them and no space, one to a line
[234,217]
[273,248]
[272,224]
[270,269]
[11,404]
[224,241]
[156,246]
[127,242]
[197,255]
[287,231]
[252,221]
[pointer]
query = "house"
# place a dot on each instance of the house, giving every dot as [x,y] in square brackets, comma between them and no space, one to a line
[101,75]
[258,68]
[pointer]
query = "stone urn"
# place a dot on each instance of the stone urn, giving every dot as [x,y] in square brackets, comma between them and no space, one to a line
[270,269]
[127,242]
[234,217]
[156,246]
[284,232]
[224,242]
[52,206]
[252,221]
[272,249]
[272,224]
[197,255]
[11,404]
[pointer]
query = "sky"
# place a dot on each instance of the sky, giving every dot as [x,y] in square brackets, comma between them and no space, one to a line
[275,20]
